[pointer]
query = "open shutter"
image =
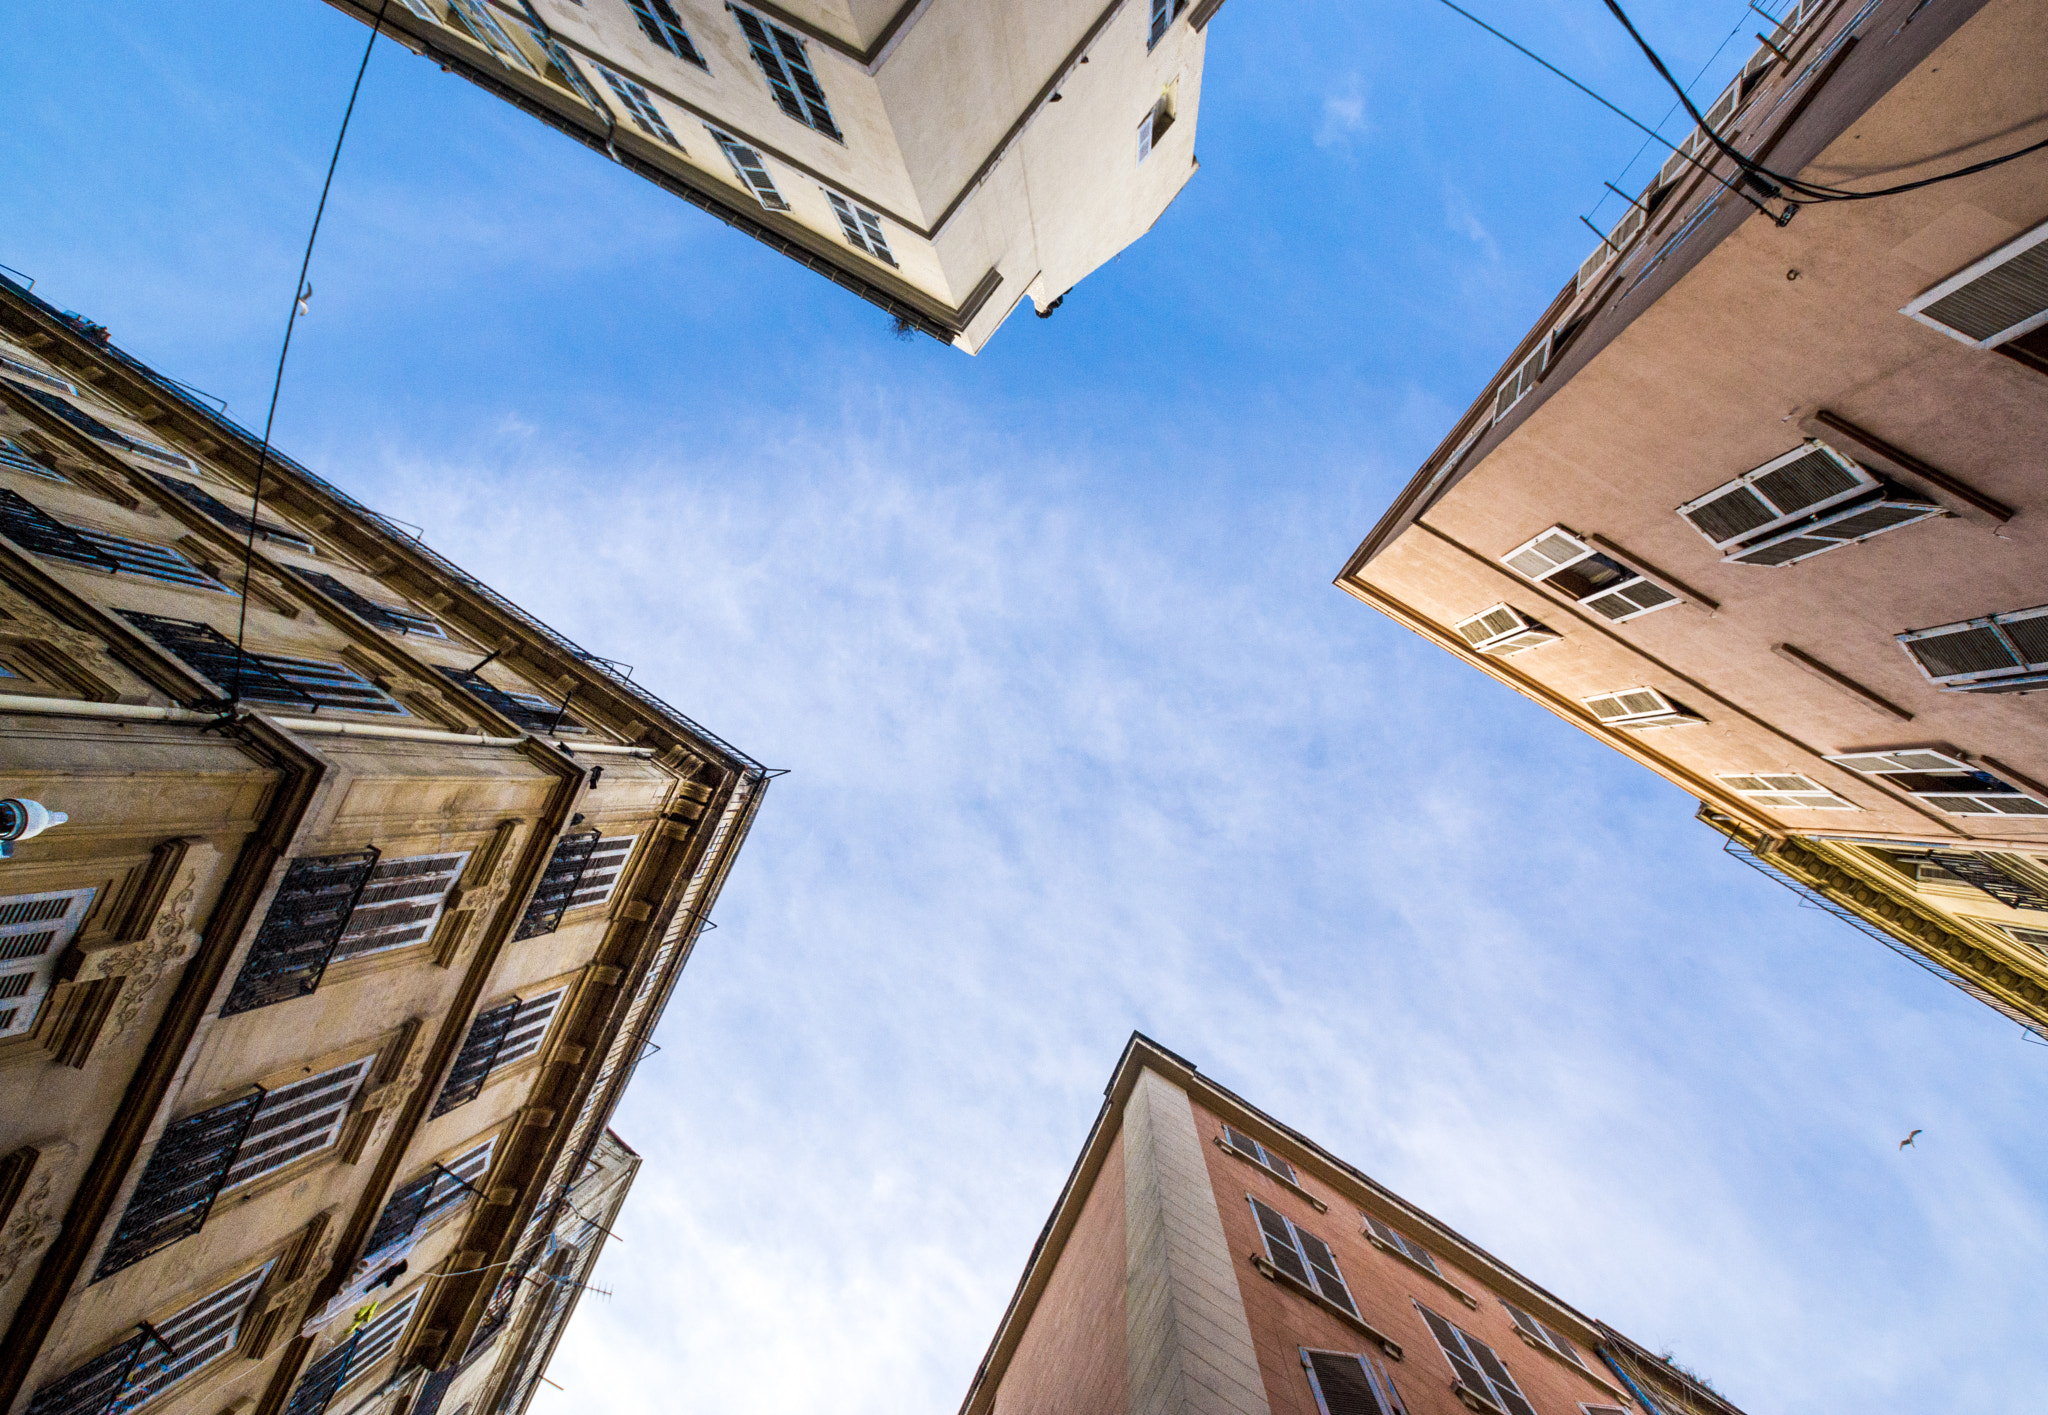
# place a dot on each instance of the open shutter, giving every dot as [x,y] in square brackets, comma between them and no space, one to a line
[198,1335]
[1322,1265]
[35,929]
[1604,585]
[298,1119]
[1812,477]
[1503,630]
[402,1213]
[2007,887]
[2000,653]
[478,1055]
[1280,1249]
[558,885]
[90,1389]
[1505,1391]
[1998,298]
[301,930]
[1451,1342]
[184,1175]
[212,655]
[323,1378]
[1785,789]
[38,532]
[1945,783]
[1343,1384]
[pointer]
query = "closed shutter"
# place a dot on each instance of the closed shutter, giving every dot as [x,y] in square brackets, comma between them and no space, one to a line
[1539,1332]
[787,69]
[1280,1249]
[35,929]
[1344,1384]
[660,23]
[39,533]
[396,618]
[434,1391]
[323,1378]
[1247,1146]
[751,168]
[200,498]
[297,1120]
[1401,1243]
[401,1214]
[1786,790]
[381,1336]
[199,1335]
[186,1171]
[151,561]
[20,459]
[1505,1391]
[1162,17]
[1522,382]
[89,1389]
[2008,887]
[301,930]
[479,1052]
[455,1183]
[42,376]
[1996,299]
[558,885]
[71,413]
[529,1028]
[1322,1265]
[535,714]
[400,903]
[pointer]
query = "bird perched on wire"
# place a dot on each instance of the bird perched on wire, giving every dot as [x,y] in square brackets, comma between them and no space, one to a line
[1907,1143]
[305,295]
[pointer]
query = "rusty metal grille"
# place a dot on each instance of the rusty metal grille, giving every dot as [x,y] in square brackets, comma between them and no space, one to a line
[478,1055]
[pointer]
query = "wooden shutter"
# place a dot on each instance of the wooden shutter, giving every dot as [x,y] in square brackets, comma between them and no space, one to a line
[2007,887]
[90,1389]
[529,1028]
[1401,1243]
[1505,1391]
[558,885]
[323,1378]
[1811,478]
[1280,1249]
[1503,630]
[1343,1384]
[1849,526]
[1322,1265]
[297,1120]
[39,533]
[1785,789]
[35,929]
[185,1173]
[195,1337]
[401,1214]
[212,655]
[1998,653]
[301,930]
[1604,585]
[1992,300]
[479,1053]
[1537,1331]
[400,903]
[602,872]
[1945,783]
[1451,1342]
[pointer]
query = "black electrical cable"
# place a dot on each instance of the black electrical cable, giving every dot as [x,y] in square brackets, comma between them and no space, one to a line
[299,292]
[1812,192]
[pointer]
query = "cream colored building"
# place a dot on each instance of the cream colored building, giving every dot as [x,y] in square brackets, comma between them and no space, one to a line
[943,159]
[1762,506]
[316,1006]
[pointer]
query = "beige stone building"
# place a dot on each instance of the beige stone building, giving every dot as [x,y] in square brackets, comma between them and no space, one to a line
[1762,505]
[943,159]
[370,892]
[1204,1259]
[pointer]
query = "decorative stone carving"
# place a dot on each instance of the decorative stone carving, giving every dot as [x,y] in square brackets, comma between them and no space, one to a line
[144,962]
[33,1223]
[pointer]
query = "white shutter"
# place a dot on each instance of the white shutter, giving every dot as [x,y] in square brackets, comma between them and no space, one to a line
[35,929]
[1145,136]
[400,903]
[1812,477]
[1503,630]
[1522,382]
[199,1335]
[2000,653]
[1785,790]
[1846,527]
[1604,585]
[1639,708]
[529,1029]
[1544,555]
[1948,785]
[1998,298]
[603,871]
[297,1120]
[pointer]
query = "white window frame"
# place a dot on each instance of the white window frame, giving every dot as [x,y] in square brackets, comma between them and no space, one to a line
[1534,1330]
[746,161]
[33,939]
[337,1087]
[1379,1380]
[1986,795]
[1550,553]
[861,227]
[639,105]
[2023,245]
[1792,791]
[1501,631]
[1252,1150]
[365,923]
[2025,673]
[1296,1233]
[475,16]
[1862,484]
[1382,1234]
[547,1009]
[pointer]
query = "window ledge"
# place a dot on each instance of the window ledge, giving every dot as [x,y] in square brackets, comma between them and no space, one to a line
[1273,1174]
[1350,1319]
[1436,1277]
[1570,1365]
[1474,1401]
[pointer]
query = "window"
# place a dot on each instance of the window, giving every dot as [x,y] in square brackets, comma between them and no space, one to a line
[529,710]
[1390,1237]
[752,169]
[40,533]
[1503,630]
[198,496]
[2000,653]
[500,1036]
[1786,790]
[353,1357]
[2036,939]
[92,427]
[1252,1150]
[639,105]
[18,457]
[1944,783]
[562,69]
[1479,1372]
[1998,298]
[1522,382]
[298,1120]
[787,68]
[1804,503]
[1546,1337]
[558,886]
[35,929]
[1613,591]
[476,17]
[1163,13]
[301,930]
[1348,1384]
[1301,1256]
[660,22]
[305,683]
[1154,126]
[863,228]
[395,617]
[185,1172]
[430,1197]
[400,903]
[601,875]
[43,376]
[199,1335]
[1639,709]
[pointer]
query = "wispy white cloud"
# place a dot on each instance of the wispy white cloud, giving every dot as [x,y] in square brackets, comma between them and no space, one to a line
[1345,121]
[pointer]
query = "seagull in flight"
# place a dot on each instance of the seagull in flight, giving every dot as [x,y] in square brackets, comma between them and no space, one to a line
[1907,1143]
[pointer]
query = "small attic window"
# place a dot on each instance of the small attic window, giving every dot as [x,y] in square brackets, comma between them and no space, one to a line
[1155,125]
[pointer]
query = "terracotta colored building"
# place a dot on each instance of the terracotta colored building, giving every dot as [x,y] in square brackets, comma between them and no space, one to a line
[1760,502]
[1204,1259]
[941,158]
[314,1010]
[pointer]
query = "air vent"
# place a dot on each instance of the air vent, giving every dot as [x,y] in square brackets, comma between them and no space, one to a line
[1503,630]
[1786,791]
[1943,782]
[2000,653]
[1610,589]
[1639,708]
[2000,297]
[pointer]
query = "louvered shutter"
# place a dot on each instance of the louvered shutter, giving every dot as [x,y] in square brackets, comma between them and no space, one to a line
[1998,653]
[323,1378]
[1279,1166]
[1503,630]
[1843,528]
[90,1389]
[39,533]
[1536,1330]
[212,655]
[2007,887]
[1505,1391]
[1280,1249]
[1343,1384]
[434,1391]
[558,885]
[1452,1343]
[1785,789]
[1996,299]
[184,1175]
[297,1120]
[301,930]
[1240,1141]
[1547,553]
[1323,1265]
[197,1336]
[400,903]
[34,932]
[479,1053]
[402,1213]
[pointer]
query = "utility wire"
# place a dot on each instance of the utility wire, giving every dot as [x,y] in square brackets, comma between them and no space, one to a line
[299,293]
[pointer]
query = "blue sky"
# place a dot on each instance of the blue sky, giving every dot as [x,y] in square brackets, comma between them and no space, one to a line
[1081,738]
